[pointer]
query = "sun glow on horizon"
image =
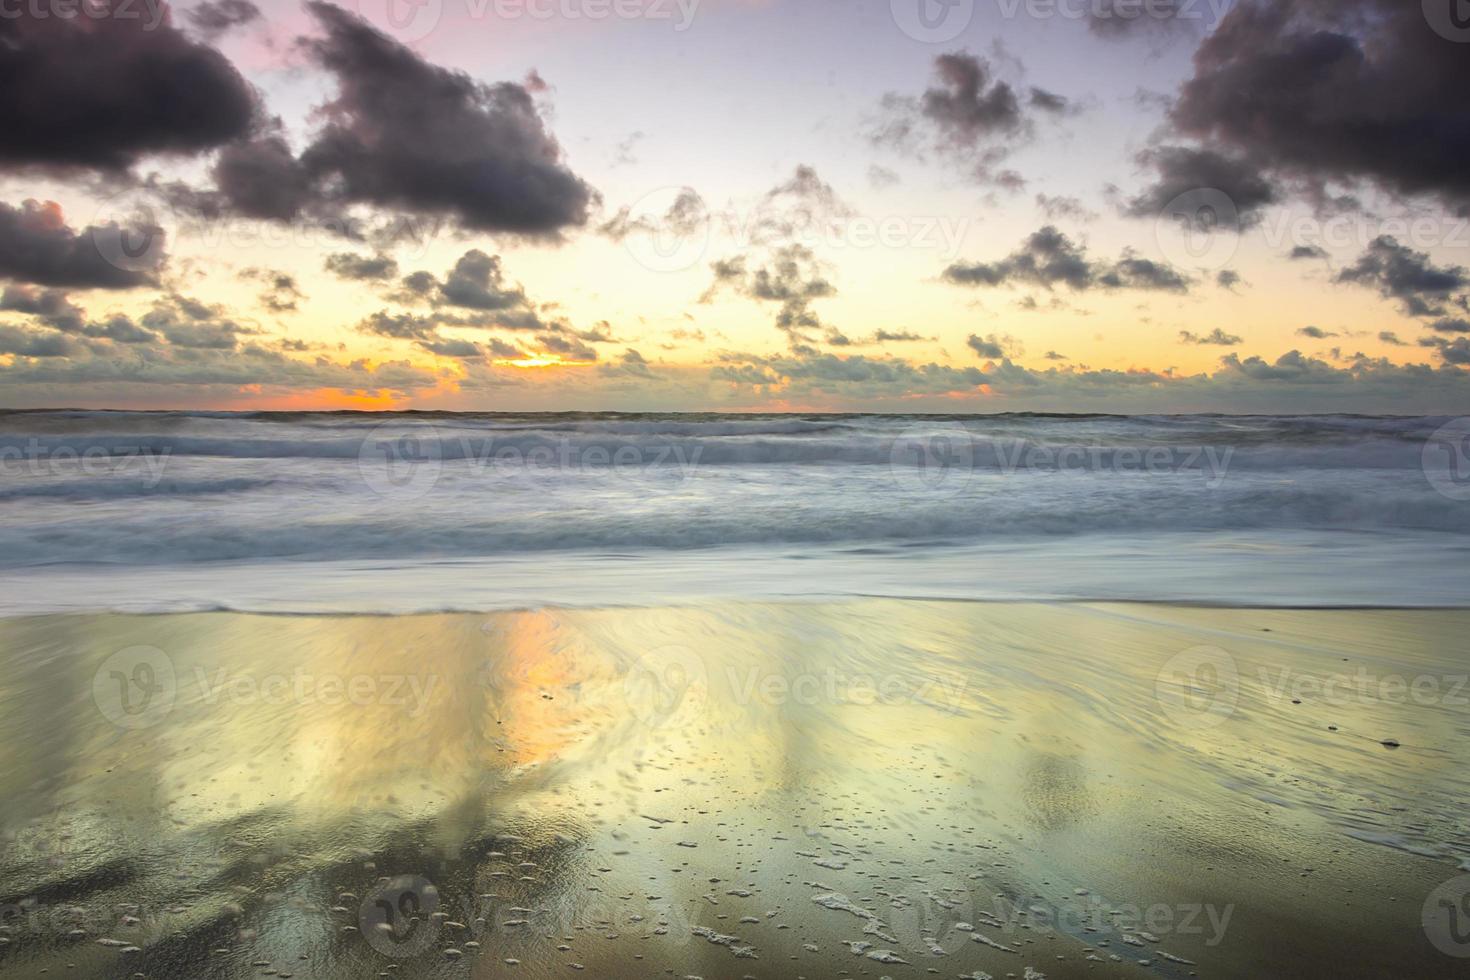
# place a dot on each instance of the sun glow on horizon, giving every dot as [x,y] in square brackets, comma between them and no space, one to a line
[540,361]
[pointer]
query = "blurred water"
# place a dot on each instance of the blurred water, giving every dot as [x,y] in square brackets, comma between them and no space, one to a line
[461,511]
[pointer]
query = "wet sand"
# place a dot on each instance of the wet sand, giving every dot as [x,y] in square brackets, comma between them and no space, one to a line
[877,788]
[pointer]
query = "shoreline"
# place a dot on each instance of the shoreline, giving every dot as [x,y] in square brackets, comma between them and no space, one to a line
[1242,570]
[1065,779]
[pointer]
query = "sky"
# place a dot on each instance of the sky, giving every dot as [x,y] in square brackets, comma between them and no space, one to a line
[1248,206]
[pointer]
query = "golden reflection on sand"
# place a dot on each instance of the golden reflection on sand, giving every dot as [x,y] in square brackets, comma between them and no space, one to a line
[1028,772]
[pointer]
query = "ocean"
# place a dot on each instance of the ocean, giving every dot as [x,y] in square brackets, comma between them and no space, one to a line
[431,695]
[405,512]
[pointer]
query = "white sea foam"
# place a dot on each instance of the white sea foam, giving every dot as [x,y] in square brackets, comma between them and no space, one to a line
[368,512]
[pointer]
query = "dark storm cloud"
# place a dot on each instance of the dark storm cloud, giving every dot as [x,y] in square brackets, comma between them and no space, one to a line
[1398,272]
[410,137]
[1215,338]
[350,266]
[1048,258]
[1456,325]
[214,17]
[1335,90]
[1183,169]
[100,92]
[261,178]
[37,246]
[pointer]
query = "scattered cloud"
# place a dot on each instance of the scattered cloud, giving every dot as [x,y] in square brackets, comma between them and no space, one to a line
[1398,272]
[1216,338]
[1048,258]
